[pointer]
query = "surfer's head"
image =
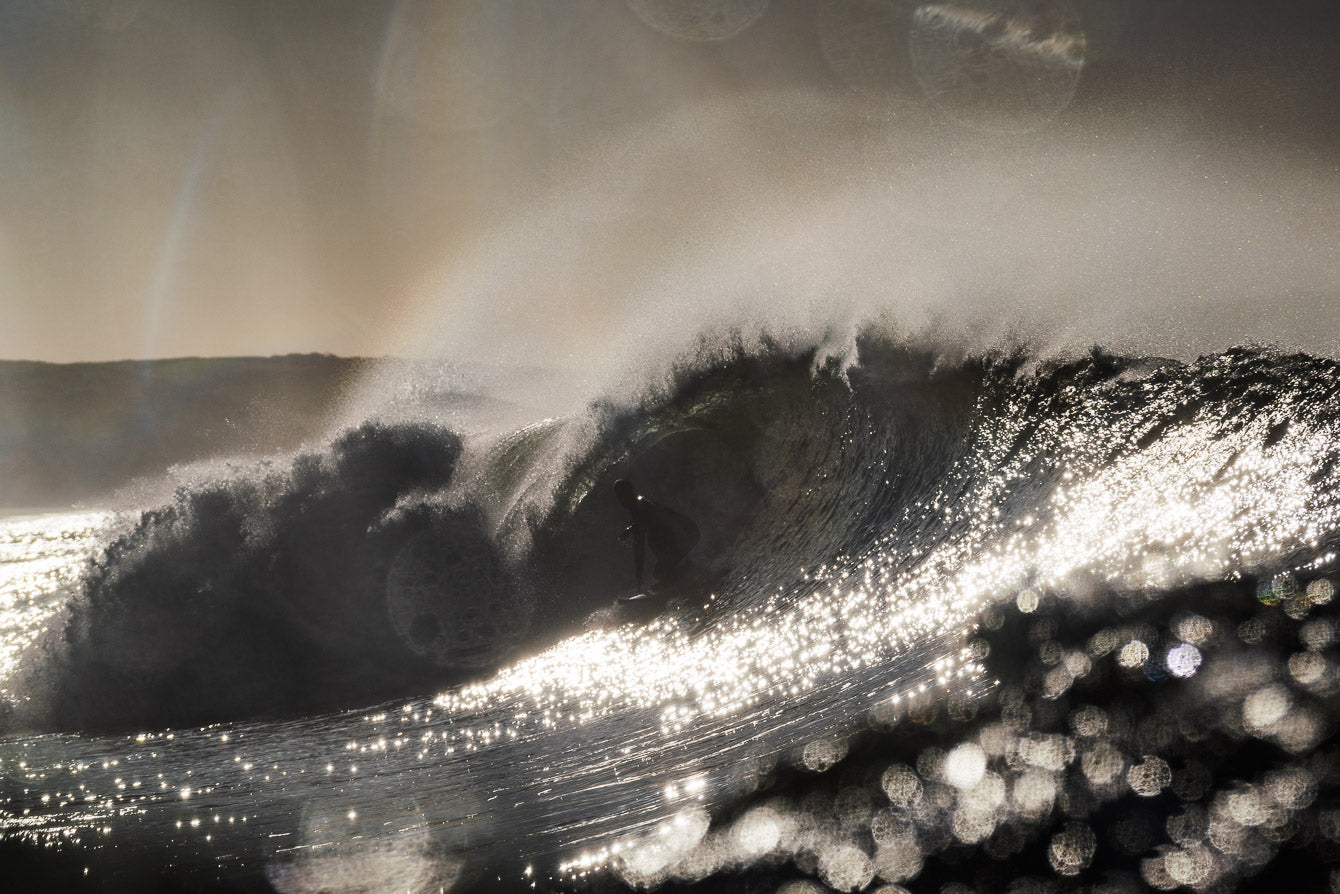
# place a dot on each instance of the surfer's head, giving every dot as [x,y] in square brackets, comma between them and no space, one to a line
[627,494]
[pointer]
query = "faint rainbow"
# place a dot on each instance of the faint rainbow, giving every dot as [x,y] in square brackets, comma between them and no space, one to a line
[170,250]
[392,42]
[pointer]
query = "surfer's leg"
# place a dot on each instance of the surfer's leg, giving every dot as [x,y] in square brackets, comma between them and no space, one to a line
[669,565]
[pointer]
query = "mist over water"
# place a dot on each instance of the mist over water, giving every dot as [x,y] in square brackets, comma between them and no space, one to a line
[950,166]
[569,182]
[1090,235]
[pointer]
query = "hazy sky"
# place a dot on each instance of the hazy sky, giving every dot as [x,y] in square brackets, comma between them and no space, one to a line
[551,178]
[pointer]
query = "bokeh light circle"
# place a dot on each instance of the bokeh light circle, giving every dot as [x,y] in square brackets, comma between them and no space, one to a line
[1183,660]
[965,765]
[1071,850]
[451,601]
[1149,777]
[699,20]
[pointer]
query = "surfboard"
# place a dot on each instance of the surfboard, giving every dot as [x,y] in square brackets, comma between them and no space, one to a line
[688,587]
[638,597]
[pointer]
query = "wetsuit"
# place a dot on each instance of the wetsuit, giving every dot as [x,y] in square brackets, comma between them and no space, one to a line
[668,533]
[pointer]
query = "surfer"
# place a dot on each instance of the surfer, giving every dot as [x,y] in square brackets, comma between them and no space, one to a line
[670,534]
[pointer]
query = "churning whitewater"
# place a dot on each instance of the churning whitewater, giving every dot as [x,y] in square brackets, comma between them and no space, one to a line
[979,621]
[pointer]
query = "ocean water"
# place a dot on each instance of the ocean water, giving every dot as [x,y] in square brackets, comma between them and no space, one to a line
[956,623]
[42,557]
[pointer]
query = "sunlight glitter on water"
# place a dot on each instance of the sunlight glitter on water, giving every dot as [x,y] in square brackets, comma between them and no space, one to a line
[41,558]
[631,725]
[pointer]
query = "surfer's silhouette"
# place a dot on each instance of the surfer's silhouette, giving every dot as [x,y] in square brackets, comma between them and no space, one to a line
[668,533]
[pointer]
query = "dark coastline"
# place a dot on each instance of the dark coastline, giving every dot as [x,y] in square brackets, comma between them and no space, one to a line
[71,433]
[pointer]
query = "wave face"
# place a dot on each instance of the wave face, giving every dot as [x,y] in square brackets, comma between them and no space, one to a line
[1005,598]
